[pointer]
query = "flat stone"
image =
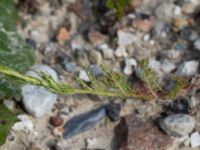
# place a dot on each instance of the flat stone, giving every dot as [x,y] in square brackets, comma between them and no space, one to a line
[125,38]
[37,100]
[133,133]
[108,53]
[188,68]
[167,66]
[195,139]
[178,124]
[95,57]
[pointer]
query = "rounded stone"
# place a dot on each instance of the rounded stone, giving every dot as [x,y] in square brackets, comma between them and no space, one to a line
[178,124]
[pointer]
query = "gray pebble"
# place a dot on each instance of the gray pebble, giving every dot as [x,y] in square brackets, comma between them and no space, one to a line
[178,124]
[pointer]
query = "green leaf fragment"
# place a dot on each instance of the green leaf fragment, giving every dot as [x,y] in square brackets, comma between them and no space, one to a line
[14,52]
[7,119]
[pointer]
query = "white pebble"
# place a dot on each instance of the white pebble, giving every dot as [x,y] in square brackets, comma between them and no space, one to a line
[125,38]
[90,143]
[188,68]
[24,125]
[107,51]
[167,66]
[195,139]
[129,64]
[121,52]
[37,100]
[9,104]
[83,75]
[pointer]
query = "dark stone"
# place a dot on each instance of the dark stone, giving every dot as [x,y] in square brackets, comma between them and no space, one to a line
[113,111]
[180,105]
[89,120]
[56,121]
[32,43]
[187,33]
[95,70]
[133,133]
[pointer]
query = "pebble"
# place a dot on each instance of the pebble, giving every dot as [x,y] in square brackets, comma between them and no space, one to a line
[172,54]
[70,67]
[195,139]
[108,53]
[96,38]
[95,70]
[56,121]
[37,100]
[90,143]
[178,124]
[164,12]
[95,57]
[10,104]
[125,38]
[188,33]
[144,25]
[129,65]
[121,52]
[188,68]
[188,8]
[167,66]
[197,44]
[24,125]
[154,65]
[83,75]
[62,35]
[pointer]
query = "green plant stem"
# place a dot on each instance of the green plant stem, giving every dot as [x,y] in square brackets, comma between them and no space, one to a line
[62,88]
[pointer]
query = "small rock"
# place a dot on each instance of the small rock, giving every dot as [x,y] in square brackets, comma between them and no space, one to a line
[56,121]
[95,57]
[188,8]
[40,35]
[178,124]
[83,75]
[90,143]
[24,125]
[179,22]
[146,37]
[70,67]
[121,52]
[188,68]
[187,33]
[37,100]
[129,65]
[96,38]
[154,65]
[62,35]
[197,44]
[108,53]
[58,131]
[144,25]
[180,105]
[172,54]
[164,11]
[136,134]
[9,104]
[167,66]
[125,38]
[95,70]
[195,139]
[47,47]
[177,10]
